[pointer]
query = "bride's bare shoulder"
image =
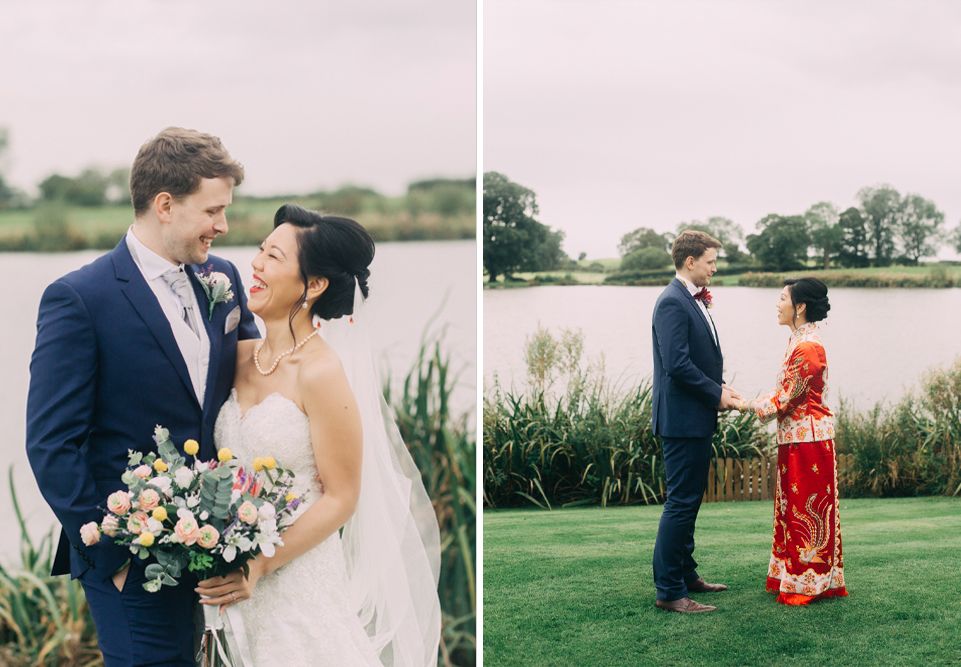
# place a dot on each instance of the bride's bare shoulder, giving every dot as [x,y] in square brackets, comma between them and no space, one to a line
[321,370]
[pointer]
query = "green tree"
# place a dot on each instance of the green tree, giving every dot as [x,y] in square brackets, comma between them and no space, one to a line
[881,207]
[646,259]
[781,242]
[826,235]
[957,238]
[725,230]
[919,223]
[513,239]
[642,238]
[89,188]
[853,252]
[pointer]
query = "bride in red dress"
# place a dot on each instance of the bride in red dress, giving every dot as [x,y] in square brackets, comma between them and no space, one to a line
[806,562]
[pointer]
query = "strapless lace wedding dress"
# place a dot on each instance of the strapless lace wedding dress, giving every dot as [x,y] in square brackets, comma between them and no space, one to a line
[299,614]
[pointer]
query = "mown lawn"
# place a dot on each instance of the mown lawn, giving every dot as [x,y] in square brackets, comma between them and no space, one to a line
[574,587]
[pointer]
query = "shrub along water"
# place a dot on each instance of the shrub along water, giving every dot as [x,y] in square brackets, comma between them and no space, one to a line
[586,442]
[573,439]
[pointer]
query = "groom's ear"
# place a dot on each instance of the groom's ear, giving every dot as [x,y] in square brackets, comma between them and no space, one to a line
[161,206]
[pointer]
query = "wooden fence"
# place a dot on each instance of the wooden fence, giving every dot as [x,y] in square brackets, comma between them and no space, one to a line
[749,479]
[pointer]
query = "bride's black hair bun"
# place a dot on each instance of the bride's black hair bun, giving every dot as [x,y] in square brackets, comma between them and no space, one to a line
[811,292]
[339,249]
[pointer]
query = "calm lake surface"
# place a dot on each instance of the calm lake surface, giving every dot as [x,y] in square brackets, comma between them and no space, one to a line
[879,342]
[415,288]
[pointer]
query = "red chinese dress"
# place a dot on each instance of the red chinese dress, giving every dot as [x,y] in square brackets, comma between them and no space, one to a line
[806,562]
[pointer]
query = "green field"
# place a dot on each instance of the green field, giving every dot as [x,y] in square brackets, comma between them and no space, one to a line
[61,227]
[574,587]
[915,276]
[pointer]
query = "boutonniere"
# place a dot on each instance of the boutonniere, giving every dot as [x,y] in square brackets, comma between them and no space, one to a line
[704,297]
[217,287]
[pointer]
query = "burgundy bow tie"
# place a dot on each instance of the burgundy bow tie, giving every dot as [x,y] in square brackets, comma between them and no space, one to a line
[704,297]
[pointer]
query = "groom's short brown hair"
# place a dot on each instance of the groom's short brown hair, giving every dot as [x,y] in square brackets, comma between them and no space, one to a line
[175,161]
[691,243]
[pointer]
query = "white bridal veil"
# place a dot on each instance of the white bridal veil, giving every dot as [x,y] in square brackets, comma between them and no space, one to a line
[392,542]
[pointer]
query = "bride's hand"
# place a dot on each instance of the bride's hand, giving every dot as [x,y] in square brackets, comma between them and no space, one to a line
[232,588]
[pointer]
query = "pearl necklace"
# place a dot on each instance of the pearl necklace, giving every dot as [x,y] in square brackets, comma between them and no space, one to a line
[281,356]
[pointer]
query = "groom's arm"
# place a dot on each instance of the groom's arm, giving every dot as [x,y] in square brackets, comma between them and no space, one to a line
[670,324]
[60,405]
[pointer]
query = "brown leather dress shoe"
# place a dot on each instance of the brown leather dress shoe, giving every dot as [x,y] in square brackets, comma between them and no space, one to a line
[684,606]
[701,586]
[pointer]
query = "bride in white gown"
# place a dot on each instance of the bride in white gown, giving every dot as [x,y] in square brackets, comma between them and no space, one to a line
[309,396]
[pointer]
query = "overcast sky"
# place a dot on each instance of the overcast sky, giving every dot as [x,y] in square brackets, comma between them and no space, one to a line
[306,94]
[628,114]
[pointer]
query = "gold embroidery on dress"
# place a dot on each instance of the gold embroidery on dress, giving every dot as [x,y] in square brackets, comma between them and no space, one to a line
[814,531]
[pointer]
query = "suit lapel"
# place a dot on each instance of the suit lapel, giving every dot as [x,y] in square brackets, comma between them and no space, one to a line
[709,325]
[144,301]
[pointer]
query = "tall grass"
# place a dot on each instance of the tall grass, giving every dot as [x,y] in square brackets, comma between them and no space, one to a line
[443,447]
[45,621]
[911,448]
[572,439]
[583,442]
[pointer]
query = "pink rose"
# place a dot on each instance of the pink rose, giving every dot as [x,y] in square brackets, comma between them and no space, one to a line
[207,537]
[247,512]
[186,530]
[137,522]
[149,499]
[142,471]
[118,502]
[110,525]
[89,533]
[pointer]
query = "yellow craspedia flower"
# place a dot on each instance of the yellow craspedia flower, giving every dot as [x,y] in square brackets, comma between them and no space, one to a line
[160,514]
[192,447]
[290,497]
[258,464]
[146,539]
[225,455]
[160,466]
[270,462]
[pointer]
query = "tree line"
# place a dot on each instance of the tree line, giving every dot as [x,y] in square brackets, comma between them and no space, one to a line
[884,228]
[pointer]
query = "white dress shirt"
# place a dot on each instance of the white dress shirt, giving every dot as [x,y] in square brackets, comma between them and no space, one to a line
[194,349]
[694,289]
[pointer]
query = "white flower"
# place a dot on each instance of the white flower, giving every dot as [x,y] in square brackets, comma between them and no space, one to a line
[230,552]
[184,476]
[154,526]
[193,500]
[217,287]
[267,511]
[163,484]
[184,513]
[204,515]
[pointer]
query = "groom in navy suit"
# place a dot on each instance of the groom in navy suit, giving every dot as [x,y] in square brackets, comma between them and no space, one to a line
[688,392]
[123,344]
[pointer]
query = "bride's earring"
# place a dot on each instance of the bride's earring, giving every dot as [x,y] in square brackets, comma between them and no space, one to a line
[304,304]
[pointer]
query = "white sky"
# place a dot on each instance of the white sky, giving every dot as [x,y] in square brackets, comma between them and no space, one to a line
[622,114]
[307,95]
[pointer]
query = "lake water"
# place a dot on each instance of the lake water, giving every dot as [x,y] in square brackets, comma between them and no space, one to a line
[415,287]
[879,342]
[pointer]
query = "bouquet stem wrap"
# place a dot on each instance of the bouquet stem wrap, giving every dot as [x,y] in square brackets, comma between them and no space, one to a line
[224,642]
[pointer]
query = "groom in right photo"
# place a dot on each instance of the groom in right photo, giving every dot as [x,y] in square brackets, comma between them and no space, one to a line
[688,392]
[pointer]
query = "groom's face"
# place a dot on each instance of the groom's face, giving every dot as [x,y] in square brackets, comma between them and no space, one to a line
[196,220]
[703,268]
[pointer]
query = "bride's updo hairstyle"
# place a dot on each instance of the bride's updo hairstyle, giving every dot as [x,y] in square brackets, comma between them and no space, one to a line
[811,292]
[335,248]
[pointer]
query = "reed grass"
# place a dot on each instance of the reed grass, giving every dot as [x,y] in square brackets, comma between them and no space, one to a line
[443,447]
[574,438]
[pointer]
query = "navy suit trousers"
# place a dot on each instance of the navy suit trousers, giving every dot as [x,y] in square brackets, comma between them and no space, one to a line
[686,465]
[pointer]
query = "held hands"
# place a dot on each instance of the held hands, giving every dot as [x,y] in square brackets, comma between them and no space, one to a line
[731,400]
[232,588]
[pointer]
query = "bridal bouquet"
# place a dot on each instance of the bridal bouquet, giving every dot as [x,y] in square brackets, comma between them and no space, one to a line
[210,517]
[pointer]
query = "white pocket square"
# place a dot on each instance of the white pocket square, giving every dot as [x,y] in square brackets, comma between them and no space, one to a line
[233,319]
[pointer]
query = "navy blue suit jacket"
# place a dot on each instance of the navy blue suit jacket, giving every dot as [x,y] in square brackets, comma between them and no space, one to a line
[105,370]
[688,367]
